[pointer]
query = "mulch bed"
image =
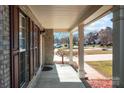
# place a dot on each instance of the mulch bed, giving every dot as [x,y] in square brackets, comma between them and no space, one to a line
[100,83]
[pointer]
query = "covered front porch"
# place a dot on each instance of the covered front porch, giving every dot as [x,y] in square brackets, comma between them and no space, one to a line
[77,17]
[30,45]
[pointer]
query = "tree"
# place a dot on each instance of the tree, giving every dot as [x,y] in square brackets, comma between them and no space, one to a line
[56,40]
[62,54]
[105,36]
[75,39]
[91,38]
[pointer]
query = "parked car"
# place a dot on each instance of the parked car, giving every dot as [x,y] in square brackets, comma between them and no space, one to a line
[57,46]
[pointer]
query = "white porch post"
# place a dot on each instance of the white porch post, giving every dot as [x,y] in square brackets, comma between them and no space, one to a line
[118,46]
[81,50]
[71,47]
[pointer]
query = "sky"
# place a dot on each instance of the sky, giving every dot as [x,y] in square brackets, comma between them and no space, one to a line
[101,23]
[59,35]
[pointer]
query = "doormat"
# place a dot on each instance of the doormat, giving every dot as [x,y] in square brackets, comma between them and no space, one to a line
[47,68]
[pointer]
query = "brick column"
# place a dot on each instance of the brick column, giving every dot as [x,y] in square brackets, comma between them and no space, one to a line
[49,46]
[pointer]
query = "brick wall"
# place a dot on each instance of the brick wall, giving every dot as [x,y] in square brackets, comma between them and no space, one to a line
[49,46]
[4,47]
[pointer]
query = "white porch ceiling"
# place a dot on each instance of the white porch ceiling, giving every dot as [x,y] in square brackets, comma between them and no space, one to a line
[62,17]
[57,16]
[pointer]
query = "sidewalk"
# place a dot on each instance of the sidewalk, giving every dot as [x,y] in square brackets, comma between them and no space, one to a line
[97,57]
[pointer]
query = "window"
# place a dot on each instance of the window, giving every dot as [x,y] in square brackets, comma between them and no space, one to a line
[22,33]
[22,49]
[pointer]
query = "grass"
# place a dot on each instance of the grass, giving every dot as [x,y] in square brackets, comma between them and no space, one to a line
[103,67]
[97,46]
[91,46]
[93,52]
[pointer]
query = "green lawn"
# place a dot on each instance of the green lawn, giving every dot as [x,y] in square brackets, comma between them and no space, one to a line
[93,52]
[104,67]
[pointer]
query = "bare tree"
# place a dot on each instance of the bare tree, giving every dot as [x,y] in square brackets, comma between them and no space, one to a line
[105,36]
[56,40]
[75,39]
[64,40]
[91,38]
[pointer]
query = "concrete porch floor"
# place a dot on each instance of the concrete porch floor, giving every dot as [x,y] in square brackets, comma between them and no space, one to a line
[61,76]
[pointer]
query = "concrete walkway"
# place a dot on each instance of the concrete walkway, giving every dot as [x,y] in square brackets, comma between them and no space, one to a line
[91,73]
[61,76]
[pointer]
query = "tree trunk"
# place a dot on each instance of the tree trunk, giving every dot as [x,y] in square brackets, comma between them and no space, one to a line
[62,59]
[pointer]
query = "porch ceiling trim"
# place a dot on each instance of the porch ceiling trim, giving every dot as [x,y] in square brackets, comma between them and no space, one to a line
[28,12]
[98,14]
[88,12]
[93,16]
